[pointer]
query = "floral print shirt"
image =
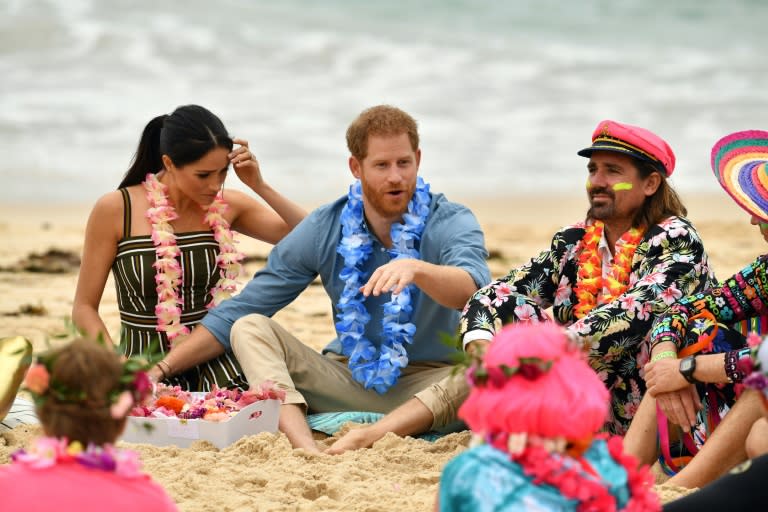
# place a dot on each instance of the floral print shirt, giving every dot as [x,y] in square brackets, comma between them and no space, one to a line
[669,263]
[741,297]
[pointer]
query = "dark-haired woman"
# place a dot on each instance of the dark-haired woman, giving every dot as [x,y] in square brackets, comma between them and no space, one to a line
[166,235]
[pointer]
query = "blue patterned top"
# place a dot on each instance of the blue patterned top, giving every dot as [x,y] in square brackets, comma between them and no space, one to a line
[484,479]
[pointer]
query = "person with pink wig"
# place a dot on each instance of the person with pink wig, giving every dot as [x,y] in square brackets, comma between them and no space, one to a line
[535,409]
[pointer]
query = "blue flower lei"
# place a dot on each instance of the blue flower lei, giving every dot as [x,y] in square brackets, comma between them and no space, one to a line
[377,368]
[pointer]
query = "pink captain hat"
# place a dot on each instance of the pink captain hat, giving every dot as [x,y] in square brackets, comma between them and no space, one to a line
[739,162]
[632,141]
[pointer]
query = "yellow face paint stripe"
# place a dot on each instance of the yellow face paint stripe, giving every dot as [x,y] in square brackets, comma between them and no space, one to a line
[622,186]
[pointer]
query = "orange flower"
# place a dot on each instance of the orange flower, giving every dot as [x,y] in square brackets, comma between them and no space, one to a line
[170,402]
[589,277]
[37,379]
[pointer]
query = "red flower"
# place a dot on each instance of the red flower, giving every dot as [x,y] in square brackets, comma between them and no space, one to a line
[531,371]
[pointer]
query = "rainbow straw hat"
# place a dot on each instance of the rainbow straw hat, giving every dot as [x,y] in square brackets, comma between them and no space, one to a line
[739,162]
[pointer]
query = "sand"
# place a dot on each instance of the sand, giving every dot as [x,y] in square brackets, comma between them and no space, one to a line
[262,472]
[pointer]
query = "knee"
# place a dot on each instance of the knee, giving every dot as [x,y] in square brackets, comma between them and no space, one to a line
[250,328]
[757,440]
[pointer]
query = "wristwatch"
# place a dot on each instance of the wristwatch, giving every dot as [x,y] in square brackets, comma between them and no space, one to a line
[687,367]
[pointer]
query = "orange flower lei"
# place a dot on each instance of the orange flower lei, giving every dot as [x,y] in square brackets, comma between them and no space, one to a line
[591,288]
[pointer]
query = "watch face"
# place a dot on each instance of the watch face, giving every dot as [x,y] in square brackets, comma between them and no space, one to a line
[686,365]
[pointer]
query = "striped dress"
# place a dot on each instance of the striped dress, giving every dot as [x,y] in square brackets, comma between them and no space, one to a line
[137,298]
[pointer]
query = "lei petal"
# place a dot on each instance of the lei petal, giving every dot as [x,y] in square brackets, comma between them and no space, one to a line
[592,288]
[46,452]
[374,368]
[168,275]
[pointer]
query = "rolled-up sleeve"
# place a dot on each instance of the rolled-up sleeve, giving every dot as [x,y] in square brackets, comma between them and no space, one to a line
[463,242]
[290,268]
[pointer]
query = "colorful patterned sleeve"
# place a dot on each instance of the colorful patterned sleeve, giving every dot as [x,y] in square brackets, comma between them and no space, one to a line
[743,295]
[521,295]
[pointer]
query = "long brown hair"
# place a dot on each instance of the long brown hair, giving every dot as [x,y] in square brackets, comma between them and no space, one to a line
[662,204]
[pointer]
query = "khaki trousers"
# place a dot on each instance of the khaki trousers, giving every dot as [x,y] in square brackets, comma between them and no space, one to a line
[324,383]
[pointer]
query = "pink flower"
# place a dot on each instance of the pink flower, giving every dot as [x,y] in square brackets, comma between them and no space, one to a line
[37,379]
[142,385]
[563,292]
[628,302]
[122,406]
[653,278]
[753,339]
[671,294]
[525,313]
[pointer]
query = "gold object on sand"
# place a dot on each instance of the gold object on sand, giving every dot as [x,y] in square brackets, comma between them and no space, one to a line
[15,358]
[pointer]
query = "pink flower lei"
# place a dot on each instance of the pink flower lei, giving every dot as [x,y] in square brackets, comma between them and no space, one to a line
[45,452]
[169,272]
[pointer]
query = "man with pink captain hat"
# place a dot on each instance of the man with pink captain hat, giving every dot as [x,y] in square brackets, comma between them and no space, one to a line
[606,277]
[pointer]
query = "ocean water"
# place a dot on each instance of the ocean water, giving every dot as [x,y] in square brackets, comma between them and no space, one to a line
[505,92]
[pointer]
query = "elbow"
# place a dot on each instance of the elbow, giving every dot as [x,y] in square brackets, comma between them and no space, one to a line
[464,296]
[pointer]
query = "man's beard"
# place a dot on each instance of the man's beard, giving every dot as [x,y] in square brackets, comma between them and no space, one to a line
[378,201]
[604,211]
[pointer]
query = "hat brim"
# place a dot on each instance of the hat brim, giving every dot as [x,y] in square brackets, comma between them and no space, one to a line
[740,163]
[587,152]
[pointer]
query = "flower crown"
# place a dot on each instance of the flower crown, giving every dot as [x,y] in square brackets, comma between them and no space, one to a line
[530,368]
[134,385]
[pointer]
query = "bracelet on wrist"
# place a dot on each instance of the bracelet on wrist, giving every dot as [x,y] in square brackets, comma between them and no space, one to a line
[732,370]
[666,354]
[165,368]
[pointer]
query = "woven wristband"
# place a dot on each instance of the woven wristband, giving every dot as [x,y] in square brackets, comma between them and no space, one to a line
[732,366]
[666,354]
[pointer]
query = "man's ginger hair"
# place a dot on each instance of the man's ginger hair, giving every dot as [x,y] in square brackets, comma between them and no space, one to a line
[381,120]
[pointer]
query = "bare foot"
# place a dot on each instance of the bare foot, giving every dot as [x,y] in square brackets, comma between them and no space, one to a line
[355,439]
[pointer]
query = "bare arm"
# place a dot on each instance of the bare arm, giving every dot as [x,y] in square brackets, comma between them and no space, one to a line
[99,248]
[200,346]
[251,217]
[447,285]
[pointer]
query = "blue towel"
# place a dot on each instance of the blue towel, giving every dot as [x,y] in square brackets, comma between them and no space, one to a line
[330,422]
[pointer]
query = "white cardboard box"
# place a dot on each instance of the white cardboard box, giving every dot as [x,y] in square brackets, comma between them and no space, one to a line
[257,417]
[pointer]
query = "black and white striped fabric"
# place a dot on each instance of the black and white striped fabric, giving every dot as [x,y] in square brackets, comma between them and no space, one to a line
[137,296]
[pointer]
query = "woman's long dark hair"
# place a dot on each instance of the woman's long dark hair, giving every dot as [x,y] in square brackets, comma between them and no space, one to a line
[185,136]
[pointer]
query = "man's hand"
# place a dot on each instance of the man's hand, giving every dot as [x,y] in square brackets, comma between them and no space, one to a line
[477,348]
[663,376]
[680,406]
[392,277]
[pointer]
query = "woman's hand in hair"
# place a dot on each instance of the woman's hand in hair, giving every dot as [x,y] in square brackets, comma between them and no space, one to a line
[246,166]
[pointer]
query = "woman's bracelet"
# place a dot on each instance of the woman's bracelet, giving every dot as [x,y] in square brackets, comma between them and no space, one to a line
[732,370]
[666,354]
[165,368]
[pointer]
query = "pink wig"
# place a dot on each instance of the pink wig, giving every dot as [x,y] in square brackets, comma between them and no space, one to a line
[568,399]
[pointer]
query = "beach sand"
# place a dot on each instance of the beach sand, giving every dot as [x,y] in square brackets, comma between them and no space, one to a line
[262,472]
